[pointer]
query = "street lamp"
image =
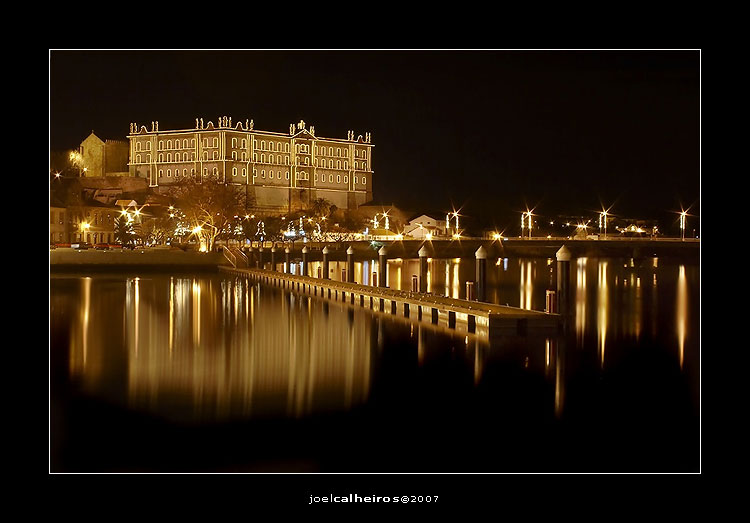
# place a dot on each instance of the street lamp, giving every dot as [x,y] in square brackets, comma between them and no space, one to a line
[603,223]
[683,223]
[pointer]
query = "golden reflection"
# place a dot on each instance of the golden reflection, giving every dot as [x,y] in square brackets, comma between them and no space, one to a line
[602,311]
[447,278]
[456,283]
[290,357]
[681,313]
[581,299]
[171,315]
[527,284]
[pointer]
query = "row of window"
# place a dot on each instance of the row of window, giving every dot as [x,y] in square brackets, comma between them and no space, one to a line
[188,157]
[300,176]
[264,146]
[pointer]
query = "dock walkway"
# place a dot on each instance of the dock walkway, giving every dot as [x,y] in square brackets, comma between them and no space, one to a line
[483,319]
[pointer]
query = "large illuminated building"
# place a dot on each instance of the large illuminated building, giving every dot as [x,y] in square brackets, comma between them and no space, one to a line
[280,171]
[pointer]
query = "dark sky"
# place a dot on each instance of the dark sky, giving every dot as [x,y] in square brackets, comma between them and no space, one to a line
[488,131]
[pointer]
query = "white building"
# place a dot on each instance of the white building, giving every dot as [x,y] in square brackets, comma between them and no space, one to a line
[423,225]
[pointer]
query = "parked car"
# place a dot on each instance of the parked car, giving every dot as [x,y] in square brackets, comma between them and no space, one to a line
[101,247]
[81,246]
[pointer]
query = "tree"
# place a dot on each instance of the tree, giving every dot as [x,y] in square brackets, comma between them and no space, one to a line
[320,207]
[209,207]
[124,231]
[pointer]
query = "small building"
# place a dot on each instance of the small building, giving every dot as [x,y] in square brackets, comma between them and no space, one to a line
[424,225]
[100,158]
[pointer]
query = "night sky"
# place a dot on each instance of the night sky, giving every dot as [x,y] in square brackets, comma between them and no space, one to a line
[491,132]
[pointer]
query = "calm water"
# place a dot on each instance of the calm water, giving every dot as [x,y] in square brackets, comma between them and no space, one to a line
[155,372]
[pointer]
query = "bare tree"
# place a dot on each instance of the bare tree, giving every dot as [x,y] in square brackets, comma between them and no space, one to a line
[209,207]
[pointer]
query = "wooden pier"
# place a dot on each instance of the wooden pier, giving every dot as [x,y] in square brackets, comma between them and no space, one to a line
[472,317]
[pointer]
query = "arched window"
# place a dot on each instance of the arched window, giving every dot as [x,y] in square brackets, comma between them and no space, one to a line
[205,172]
[205,155]
[137,158]
[138,146]
[364,181]
[338,178]
[216,142]
[169,173]
[244,143]
[148,157]
[185,143]
[262,158]
[270,174]
[323,162]
[169,157]
[161,157]
[215,171]
[185,157]
[234,171]
[234,155]
[161,173]
[330,178]
[262,173]
[234,142]
[287,175]
[346,179]
[244,172]
[184,172]
[216,155]
[169,144]
[148,146]
[338,164]
[161,144]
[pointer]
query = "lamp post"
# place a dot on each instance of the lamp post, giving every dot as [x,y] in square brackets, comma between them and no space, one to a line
[683,223]
[603,223]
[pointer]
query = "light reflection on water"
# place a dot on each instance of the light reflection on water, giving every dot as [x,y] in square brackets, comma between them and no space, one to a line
[216,347]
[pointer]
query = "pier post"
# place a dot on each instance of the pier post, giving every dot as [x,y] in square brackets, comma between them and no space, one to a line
[563,277]
[383,266]
[304,260]
[260,258]
[350,265]
[326,273]
[481,273]
[250,256]
[423,269]
[273,258]
[287,267]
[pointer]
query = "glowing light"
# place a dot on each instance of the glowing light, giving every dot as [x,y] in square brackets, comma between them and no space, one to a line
[428,236]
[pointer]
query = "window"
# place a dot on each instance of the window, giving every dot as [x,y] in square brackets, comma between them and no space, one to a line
[161,157]
[244,143]
[161,144]
[161,173]
[330,178]
[184,172]
[138,146]
[169,144]
[169,173]
[323,162]
[270,174]
[338,179]
[287,175]
[148,158]
[205,155]
[262,173]
[346,179]
[316,177]
[234,142]
[205,172]
[338,164]
[216,171]
[234,171]
[244,156]
[278,159]
[185,157]
[355,180]
[262,158]
[148,146]
[216,142]
[346,164]
[234,155]
[216,155]
[137,158]
[364,181]
[244,172]
[185,143]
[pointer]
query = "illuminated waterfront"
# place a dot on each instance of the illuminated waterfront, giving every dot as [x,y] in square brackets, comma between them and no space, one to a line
[183,372]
